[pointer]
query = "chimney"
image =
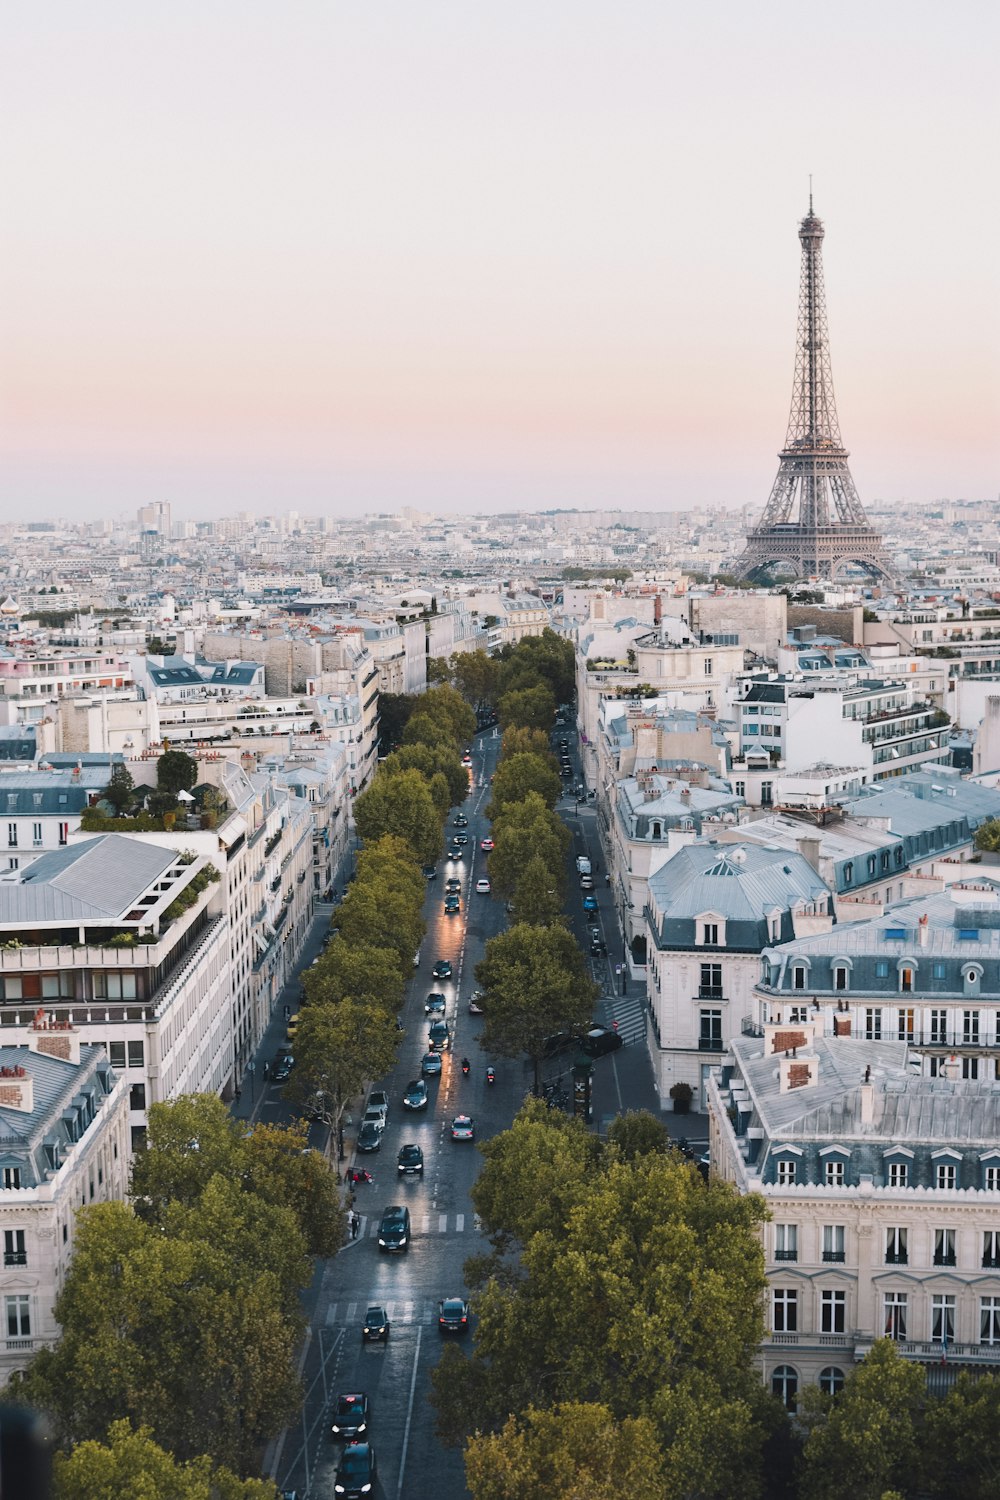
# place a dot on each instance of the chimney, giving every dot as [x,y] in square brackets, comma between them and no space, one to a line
[923,929]
[809,846]
[17,1088]
[54,1038]
[951,1069]
[868,1099]
[657,609]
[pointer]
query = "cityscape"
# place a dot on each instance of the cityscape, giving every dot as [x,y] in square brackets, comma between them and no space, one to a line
[499,896]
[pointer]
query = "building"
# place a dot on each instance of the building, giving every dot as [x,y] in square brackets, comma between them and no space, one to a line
[884,1194]
[64,1144]
[711,911]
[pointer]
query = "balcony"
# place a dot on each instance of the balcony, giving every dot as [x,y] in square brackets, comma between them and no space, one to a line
[834,1257]
[709,1044]
[786,1255]
[945,1259]
[15,1258]
[897,1258]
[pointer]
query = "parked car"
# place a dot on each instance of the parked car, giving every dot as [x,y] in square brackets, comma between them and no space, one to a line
[410,1161]
[281,1070]
[475,1003]
[486,845]
[430,872]
[598,1040]
[370,1136]
[483,886]
[394,1229]
[379,1099]
[375,1328]
[590,903]
[453,1315]
[416,1095]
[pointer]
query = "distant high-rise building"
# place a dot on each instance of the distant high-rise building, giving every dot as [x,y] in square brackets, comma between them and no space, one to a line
[154,517]
[813,521]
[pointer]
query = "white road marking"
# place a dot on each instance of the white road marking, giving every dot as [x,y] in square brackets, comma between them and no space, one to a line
[460,1223]
[409,1417]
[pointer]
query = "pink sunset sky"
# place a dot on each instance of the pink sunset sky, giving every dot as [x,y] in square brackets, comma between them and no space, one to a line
[346,257]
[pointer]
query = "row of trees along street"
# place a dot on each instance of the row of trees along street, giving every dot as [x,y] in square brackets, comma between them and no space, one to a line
[180,1312]
[617,1319]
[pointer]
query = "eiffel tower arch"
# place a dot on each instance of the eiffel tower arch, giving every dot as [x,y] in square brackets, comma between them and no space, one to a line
[813,520]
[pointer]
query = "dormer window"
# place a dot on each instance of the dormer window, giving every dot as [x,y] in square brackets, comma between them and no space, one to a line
[833,1172]
[841,973]
[710,934]
[798,977]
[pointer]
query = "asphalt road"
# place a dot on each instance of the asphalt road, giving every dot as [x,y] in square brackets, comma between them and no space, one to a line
[396,1376]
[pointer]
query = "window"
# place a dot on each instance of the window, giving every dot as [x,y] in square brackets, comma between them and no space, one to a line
[798,977]
[12,835]
[833,1173]
[766,794]
[137,1096]
[882,969]
[946,1174]
[12,1177]
[831,1380]
[849,872]
[939,971]
[895,1315]
[18,1317]
[785,1385]
[136,1055]
[939,1026]
[114,986]
[840,977]
[991,1247]
[906,980]
[116,1054]
[970,1067]
[14,1253]
[873,1025]
[787,1168]
[798,1015]
[36,834]
[711,981]
[989,1320]
[944,1247]
[785,1309]
[899,1174]
[991,1179]
[708,666]
[833,1311]
[906,1025]
[833,1242]
[895,1247]
[970,1028]
[710,934]
[63,834]
[710,1035]
[740,788]
[943,1319]
[786,1242]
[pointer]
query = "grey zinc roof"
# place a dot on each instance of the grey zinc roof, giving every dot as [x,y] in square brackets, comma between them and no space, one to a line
[55,1084]
[742,882]
[97,880]
[850,939]
[945,791]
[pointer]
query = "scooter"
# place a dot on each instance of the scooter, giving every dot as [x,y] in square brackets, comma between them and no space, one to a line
[465,1065]
[491,1077]
[358,1175]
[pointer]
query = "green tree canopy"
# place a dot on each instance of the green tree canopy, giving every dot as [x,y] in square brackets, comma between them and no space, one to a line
[429,760]
[522,833]
[535,984]
[338,1048]
[576,1451]
[132,1464]
[354,969]
[373,913]
[438,669]
[537,893]
[637,1133]
[424,728]
[519,774]
[176,771]
[476,676]
[401,805]
[528,708]
[394,710]
[447,705]
[517,741]
[389,862]
[960,1441]
[987,839]
[120,790]
[865,1438]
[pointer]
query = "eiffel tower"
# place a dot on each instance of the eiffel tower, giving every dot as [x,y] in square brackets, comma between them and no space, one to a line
[813,521]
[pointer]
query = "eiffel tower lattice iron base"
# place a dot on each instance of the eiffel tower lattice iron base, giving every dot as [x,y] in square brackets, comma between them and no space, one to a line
[814,552]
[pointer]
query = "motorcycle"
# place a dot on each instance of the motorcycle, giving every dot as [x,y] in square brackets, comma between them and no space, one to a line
[358,1175]
[465,1065]
[491,1077]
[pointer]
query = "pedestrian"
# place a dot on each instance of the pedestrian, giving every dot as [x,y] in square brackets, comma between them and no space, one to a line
[264,1072]
[355,1224]
[615,1025]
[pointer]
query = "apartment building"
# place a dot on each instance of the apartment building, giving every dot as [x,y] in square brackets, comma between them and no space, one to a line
[884,1196]
[65,1144]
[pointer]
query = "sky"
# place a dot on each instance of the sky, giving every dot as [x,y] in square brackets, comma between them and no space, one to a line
[344,257]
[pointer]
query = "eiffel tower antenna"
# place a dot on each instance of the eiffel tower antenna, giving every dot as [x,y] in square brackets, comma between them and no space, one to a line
[813,521]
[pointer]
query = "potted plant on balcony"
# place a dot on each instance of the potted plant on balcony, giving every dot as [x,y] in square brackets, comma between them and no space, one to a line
[681,1095]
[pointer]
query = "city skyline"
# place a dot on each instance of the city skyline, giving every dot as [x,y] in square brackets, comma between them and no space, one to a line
[497,262]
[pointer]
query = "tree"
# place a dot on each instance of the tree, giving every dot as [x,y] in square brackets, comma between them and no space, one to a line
[389,861]
[338,1048]
[576,1451]
[120,790]
[131,1463]
[401,805]
[865,1438]
[535,984]
[537,894]
[375,913]
[517,775]
[636,1133]
[987,839]
[528,708]
[476,676]
[429,760]
[960,1441]
[176,772]
[447,705]
[523,832]
[423,728]
[394,710]
[517,741]
[353,969]
[437,669]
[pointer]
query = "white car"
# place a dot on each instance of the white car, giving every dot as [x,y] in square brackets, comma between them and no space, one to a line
[483,886]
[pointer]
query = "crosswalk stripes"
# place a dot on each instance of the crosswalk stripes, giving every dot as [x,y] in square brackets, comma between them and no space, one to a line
[401,1314]
[630,1013]
[433,1224]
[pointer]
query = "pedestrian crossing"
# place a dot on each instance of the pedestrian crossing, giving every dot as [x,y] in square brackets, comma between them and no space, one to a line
[400,1314]
[630,1013]
[433,1224]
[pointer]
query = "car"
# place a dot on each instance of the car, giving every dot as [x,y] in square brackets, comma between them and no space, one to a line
[430,1063]
[453,883]
[375,1328]
[560,1041]
[370,1136]
[466,759]
[452,906]
[410,1161]
[282,1069]
[453,1315]
[590,903]
[416,959]
[586,882]
[461,839]
[598,948]
[416,1094]
[486,845]
[440,1036]
[350,1417]
[356,1472]
[379,1099]
[483,886]
[394,1229]
[429,872]
[461,821]
[476,1003]
[434,1004]
[292,1027]
[441,970]
[565,773]
[462,1128]
[598,1040]
[456,853]
[374,1116]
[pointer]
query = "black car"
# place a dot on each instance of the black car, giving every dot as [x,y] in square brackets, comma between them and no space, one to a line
[416,1095]
[410,1161]
[452,906]
[598,1040]
[430,872]
[282,1069]
[453,1315]
[435,1004]
[350,1417]
[369,1137]
[455,853]
[356,1472]
[598,947]
[453,883]
[461,821]
[442,969]
[394,1229]
[376,1325]
[440,1037]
